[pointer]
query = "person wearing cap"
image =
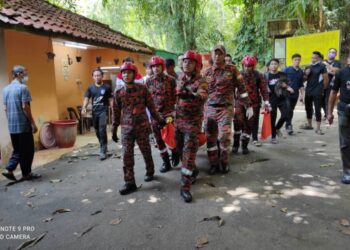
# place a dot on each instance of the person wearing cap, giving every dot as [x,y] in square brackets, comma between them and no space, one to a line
[191,92]
[162,88]
[223,81]
[21,125]
[129,111]
[342,84]
[256,86]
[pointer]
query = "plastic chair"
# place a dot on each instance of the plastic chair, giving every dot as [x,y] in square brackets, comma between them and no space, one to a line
[87,121]
[73,115]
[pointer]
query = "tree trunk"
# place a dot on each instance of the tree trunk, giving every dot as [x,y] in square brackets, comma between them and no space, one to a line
[321,22]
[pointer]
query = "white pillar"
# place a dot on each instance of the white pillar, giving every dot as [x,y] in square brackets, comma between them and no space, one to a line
[5,142]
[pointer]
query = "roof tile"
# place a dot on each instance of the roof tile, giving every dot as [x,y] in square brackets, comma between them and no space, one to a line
[46,17]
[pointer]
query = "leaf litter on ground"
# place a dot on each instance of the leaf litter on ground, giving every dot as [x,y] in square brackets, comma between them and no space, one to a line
[85,231]
[31,242]
[201,241]
[61,210]
[214,218]
[116,221]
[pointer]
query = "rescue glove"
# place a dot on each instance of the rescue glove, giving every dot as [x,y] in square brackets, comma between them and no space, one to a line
[162,124]
[249,113]
[114,134]
[169,119]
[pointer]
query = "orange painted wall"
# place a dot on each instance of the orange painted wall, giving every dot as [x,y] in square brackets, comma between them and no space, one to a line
[69,93]
[30,50]
[70,90]
[108,56]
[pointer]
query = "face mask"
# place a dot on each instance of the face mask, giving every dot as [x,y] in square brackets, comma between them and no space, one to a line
[25,79]
[331,55]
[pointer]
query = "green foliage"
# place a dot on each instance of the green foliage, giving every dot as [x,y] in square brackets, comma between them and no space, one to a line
[179,25]
[251,33]
[66,4]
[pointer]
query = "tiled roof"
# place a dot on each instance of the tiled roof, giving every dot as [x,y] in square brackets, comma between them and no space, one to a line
[41,16]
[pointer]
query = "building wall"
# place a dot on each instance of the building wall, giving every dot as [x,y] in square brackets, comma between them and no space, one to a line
[5,142]
[108,56]
[30,50]
[71,80]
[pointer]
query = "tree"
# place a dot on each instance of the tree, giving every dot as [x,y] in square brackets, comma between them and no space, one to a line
[314,16]
[66,4]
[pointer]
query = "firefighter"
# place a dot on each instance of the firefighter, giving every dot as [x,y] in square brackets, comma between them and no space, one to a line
[223,80]
[256,87]
[129,111]
[191,92]
[162,88]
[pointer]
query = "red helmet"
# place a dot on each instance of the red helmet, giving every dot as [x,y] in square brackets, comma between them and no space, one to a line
[129,66]
[199,65]
[249,61]
[157,60]
[190,54]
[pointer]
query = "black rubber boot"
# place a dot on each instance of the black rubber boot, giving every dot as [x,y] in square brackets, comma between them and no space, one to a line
[128,188]
[166,164]
[225,168]
[245,149]
[219,148]
[148,178]
[186,195]
[213,169]
[235,146]
[175,158]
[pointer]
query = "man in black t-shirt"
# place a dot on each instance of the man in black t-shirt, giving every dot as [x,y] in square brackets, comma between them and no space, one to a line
[342,83]
[333,66]
[317,81]
[101,97]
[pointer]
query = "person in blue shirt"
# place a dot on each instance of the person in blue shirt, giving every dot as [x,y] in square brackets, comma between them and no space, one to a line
[21,125]
[295,77]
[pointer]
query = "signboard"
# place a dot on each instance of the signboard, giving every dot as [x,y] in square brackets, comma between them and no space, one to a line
[306,44]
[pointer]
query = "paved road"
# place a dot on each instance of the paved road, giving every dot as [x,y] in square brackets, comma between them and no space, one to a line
[279,197]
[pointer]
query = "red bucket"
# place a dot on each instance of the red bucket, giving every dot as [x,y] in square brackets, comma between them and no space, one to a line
[65,132]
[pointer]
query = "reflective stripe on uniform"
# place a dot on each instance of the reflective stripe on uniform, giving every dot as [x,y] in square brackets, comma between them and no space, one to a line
[185,171]
[163,150]
[237,132]
[244,135]
[212,148]
[244,95]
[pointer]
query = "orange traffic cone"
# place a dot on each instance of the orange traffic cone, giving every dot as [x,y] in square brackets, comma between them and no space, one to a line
[266,130]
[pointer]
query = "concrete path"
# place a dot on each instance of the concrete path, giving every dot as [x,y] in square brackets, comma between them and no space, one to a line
[284,196]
